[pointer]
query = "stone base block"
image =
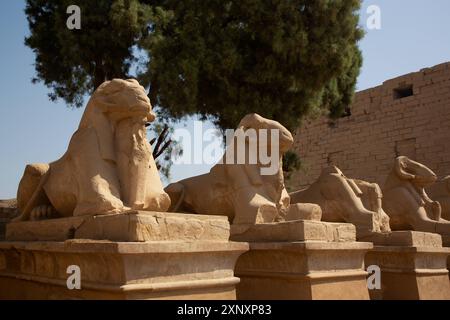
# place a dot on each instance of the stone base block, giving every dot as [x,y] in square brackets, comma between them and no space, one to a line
[8,211]
[298,230]
[303,271]
[404,239]
[413,266]
[446,243]
[131,226]
[114,270]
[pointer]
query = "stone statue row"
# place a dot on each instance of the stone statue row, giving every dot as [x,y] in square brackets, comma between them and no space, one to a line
[109,168]
[402,203]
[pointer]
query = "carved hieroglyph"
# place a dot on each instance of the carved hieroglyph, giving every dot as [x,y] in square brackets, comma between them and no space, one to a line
[440,192]
[346,200]
[407,203]
[239,191]
[108,166]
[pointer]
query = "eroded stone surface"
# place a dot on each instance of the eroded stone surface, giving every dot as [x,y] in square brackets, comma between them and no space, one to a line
[410,272]
[248,192]
[446,241]
[303,271]
[46,230]
[300,230]
[407,203]
[304,211]
[114,270]
[132,226]
[404,238]
[8,205]
[440,191]
[346,200]
[8,210]
[108,167]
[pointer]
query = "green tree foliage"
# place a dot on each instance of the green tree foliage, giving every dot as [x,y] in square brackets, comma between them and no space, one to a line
[280,58]
[72,63]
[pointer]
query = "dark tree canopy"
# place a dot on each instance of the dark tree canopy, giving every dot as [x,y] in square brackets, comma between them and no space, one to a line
[279,58]
[72,63]
[219,58]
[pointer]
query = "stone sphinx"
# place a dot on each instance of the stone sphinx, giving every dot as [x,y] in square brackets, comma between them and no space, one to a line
[239,190]
[440,191]
[112,220]
[406,202]
[346,200]
[108,167]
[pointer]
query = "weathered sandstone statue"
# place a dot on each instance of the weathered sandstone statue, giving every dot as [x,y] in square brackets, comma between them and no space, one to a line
[440,191]
[407,203]
[346,200]
[240,191]
[108,166]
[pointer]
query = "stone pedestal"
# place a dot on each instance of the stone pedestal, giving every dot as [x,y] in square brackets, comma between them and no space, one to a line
[8,210]
[158,256]
[446,243]
[413,266]
[302,260]
[130,226]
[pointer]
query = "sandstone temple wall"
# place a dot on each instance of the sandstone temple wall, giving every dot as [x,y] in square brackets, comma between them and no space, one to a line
[408,115]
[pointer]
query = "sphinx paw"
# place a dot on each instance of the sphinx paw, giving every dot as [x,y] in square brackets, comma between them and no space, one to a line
[267,214]
[42,212]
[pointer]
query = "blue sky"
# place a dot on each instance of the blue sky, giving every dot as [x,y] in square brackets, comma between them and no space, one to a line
[414,34]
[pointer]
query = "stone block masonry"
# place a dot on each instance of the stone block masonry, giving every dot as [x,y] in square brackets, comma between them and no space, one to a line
[8,210]
[408,115]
